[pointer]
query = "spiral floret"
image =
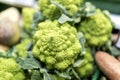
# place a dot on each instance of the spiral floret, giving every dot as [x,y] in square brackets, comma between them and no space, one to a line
[56,44]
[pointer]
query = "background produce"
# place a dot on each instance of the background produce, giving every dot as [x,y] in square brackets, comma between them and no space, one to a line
[59,40]
[9,30]
[10,70]
[27,17]
[97,29]
[112,71]
[87,68]
[50,9]
[21,47]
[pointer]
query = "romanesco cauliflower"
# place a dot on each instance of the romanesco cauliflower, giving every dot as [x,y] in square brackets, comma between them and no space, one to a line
[9,70]
[96,29]
[27,17]
[86,69]
[22,47]
[50,11]
[56,44]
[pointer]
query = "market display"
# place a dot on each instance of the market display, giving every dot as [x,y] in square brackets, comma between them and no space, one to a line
[59,40]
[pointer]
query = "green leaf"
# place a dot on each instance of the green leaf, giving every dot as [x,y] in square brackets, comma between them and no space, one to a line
[38,17]
[12,52]
[96,75]
[24,34]
[64,19]
[89,9]
[30,54]
[82,41]
[46,76]
[107,14]
[68,71]
[77,20]
[34,27]
[76,74]
[28,63]
[60,7]
[36,75]
[29,46]
[115,51]
[108,45]
[63,74]
[85,10]
[78,63]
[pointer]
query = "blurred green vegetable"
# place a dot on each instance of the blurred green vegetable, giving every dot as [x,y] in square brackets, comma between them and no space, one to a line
[56,44]
[50,47]
[96,29]
[51,8]
[9,70]
[22,47]
[27,16]
[86,68]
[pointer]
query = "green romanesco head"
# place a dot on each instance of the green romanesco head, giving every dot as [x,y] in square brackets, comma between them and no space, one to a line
[56,44]
[27,17]
[51,11]
[96,29]
[86,69]
[22,47]
[9,70]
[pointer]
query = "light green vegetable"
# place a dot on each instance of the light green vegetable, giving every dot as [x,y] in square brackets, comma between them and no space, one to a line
[56,44]
[96,29]
[86,69]
[22,47]
[9,70]
[51,11]
[27,16]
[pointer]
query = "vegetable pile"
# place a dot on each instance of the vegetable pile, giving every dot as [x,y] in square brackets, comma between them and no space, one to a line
[27,15]
[59,41]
